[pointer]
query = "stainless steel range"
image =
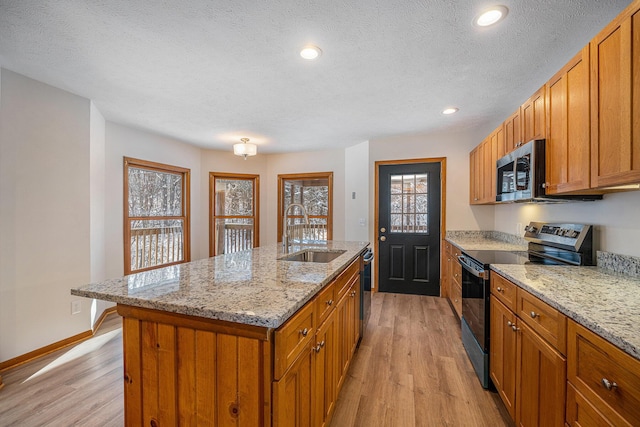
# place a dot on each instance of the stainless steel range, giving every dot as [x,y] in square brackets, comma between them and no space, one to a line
[551,244]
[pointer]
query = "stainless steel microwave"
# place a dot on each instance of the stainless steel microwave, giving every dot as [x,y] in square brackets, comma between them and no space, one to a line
[521,177]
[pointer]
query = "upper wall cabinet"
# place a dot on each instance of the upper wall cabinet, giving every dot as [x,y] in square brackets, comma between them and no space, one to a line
[512,132]
[483,169]
[615,101]
[568,127]
[533,117]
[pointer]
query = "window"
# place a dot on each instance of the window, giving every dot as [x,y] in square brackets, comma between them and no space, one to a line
[156,215]
[233,212]
[409,204]
[315,192]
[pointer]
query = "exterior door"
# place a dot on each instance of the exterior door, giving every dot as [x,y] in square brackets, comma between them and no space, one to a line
[409,228]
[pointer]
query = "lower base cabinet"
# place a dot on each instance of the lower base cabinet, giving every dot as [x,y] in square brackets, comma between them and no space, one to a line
[529,373]
[186,370]
[542,374]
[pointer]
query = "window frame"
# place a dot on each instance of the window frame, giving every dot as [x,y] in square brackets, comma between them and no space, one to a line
[185,217]
[212,206]
[305,177]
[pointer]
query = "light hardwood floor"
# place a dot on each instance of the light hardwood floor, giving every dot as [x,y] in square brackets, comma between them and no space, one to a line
[410,370]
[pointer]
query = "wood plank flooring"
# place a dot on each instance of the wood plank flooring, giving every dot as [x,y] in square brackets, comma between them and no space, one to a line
[410,370]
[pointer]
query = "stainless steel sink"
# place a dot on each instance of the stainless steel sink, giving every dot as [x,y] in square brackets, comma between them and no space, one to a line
[311,255]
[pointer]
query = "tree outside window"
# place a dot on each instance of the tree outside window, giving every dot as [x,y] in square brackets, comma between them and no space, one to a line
[156,215]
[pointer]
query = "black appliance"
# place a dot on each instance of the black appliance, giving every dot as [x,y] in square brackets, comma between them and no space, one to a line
[365,291]
[551,244]
[521,177]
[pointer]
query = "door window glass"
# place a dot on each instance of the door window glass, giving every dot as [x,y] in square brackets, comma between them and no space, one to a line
[409,204]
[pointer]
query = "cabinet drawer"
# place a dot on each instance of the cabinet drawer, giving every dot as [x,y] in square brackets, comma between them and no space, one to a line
[580,412]
[325,301]
[605,375]
[548,322]
[504,290]
[342,282]
[292,337]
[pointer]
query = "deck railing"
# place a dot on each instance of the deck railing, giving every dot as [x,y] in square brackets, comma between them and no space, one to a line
[299,232]
[233,238]
[156,246]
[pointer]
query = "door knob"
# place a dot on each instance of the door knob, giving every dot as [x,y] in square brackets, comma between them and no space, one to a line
[383,230]
[383,238]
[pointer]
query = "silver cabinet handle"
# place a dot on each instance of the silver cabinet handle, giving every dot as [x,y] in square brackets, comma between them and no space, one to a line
[509,323]
[608,384]
[304,332]
[499,289]
[533,314]
[515,328]
[330,302]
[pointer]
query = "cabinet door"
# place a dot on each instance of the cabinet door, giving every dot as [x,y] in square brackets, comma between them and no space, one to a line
[567,147]
[489,169]
[512,129]
[475,175]
[615,101]
[324,388]
[541,381]
[502,358]
[355,316]
[533,117]
[342,322]
[292,394]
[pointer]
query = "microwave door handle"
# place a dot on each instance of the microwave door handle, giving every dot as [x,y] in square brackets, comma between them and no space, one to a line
[478,274]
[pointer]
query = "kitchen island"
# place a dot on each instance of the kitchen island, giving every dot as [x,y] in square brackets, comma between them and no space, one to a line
[238,339]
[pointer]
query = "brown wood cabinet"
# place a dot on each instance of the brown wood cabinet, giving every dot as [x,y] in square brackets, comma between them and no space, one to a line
[604,382]
[452,278]
[503,353]
[528,372]
[476,175]
[567,147]
[513,131]
[534,116]
[185,370]
[482,160]
[615,101]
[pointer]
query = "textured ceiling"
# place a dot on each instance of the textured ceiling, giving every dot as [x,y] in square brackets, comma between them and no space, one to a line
[211,71]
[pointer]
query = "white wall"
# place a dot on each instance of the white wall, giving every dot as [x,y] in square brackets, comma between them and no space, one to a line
[122,141]
[356,213]
[227,162]
[615,217]
[97,195]
[455,147]
[44,213]
[306,162]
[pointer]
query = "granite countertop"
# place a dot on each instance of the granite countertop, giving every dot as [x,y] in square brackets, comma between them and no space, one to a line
[250,287]
[604,302]
[486,240]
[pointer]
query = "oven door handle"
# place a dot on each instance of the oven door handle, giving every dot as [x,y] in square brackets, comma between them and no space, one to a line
[478,274]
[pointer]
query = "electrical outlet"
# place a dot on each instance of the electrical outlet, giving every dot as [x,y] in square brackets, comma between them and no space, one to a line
[519,229]
[76,307]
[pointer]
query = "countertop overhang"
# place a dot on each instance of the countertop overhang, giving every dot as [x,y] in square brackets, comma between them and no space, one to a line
[252,287]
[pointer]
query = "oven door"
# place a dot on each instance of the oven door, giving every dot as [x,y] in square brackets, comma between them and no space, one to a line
[475,300]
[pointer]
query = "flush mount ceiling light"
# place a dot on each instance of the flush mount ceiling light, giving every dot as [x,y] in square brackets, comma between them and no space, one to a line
[310,52]
[448,111]
[244,149]
[491,16]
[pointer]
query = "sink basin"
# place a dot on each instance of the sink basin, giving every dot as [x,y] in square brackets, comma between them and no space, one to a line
[311,255]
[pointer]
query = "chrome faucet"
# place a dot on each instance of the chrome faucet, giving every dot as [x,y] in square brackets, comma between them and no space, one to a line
[285,233]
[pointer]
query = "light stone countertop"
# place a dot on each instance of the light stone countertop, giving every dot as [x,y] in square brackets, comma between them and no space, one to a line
[250,287]
[484,241]
[604,302]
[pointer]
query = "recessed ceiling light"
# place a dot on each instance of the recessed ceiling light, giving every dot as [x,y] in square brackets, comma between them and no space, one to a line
[491,16]
[449,110]
[310,52]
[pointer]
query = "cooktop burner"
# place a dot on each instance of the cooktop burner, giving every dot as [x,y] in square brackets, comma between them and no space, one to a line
[499,257]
